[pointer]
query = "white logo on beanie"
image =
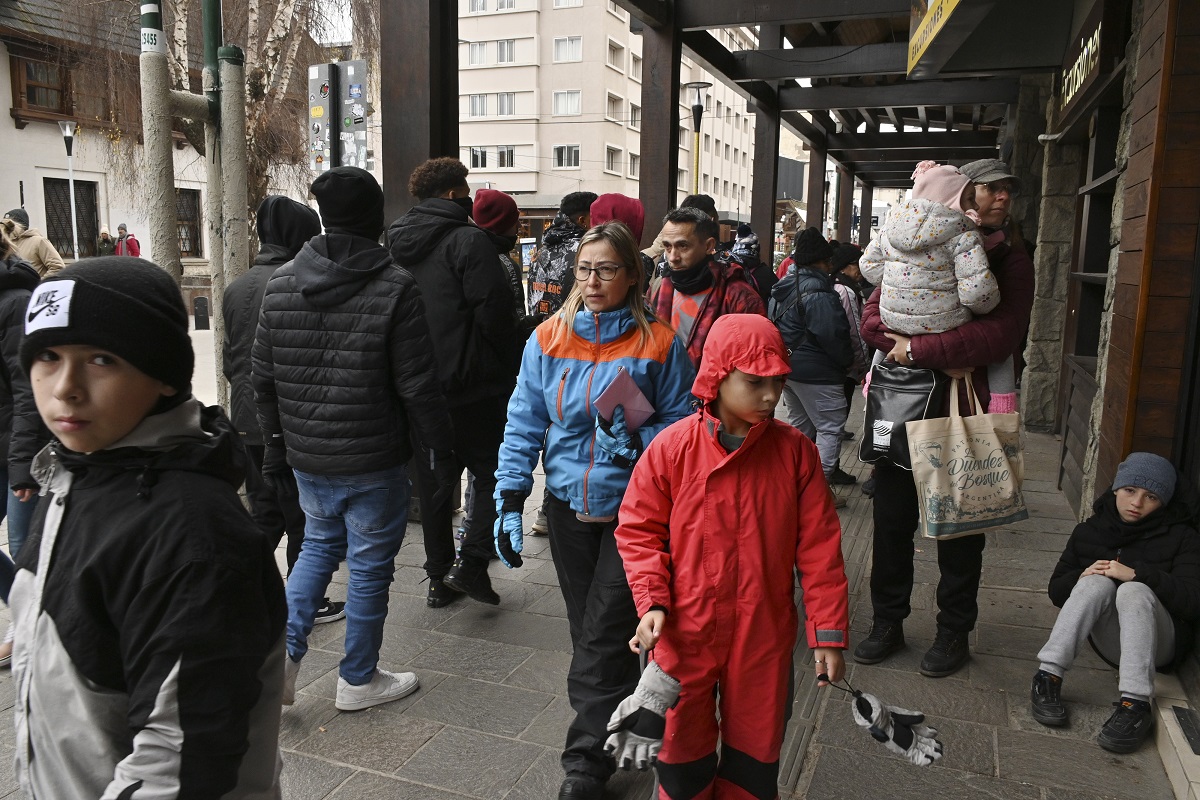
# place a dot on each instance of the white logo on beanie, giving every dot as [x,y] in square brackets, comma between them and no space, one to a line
[50,306]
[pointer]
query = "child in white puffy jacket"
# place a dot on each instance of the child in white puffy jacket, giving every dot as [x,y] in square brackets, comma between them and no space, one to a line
[932,269]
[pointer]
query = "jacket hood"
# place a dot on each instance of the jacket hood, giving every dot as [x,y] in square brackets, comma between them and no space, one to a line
[17,273]
[747,342]
[919,224]
[283,222]
[333,268]
[602,327]
[561,230]
[619,207]
[273,255]
[415,235]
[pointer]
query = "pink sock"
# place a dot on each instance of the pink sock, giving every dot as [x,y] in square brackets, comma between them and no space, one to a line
[1003,403]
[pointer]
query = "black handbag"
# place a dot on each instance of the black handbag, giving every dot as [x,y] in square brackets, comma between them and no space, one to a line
[897,395]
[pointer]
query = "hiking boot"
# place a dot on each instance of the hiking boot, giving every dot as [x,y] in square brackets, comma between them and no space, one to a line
[949,652]
[440,595]
[384,687]
[470,577]
[1130,724]
[839,477]
[1045,699]
[330,611]
[886,638]
[577,786]
[540,526]
[290,670]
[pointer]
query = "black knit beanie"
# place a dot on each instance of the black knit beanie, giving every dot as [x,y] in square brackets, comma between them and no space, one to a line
[811,247]
[128,306]
[19,215]
[844,255]
[350,201]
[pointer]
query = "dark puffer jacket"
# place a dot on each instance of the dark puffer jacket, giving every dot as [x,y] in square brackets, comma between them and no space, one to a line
[1163,549]
[343,362]
[552,273]
[22,433]
[467,299]
[825,352]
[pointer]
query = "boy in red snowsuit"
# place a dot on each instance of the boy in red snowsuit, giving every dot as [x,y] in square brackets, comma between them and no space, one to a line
[721,510]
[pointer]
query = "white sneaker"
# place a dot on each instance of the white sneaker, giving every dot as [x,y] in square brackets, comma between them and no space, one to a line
[290,670]
[384,687]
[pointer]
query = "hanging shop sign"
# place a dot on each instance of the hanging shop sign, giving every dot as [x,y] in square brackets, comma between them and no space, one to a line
[1084,61]
[927,20]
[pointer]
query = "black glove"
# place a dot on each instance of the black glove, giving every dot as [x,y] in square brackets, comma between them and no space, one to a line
[447,474]
[899,730]
[275,469]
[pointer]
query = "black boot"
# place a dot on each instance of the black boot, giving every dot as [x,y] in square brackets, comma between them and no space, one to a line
[440,595]
[470,576]
[886,638]
[1129,726]
[949,652]
[1045,697]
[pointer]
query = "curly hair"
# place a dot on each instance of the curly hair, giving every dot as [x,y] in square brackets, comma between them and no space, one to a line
[435,176]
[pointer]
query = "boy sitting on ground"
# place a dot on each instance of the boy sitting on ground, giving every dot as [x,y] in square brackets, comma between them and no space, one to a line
[1129,580]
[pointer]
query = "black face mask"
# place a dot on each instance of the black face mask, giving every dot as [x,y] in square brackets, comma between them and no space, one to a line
[465,203]
[693,280]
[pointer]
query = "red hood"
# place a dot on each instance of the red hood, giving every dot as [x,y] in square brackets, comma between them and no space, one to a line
[748,342]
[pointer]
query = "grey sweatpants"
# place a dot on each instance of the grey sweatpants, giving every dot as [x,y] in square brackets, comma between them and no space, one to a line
[1127,624]
[818,410]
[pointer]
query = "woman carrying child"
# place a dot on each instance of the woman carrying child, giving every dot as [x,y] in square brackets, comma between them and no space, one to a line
[602,330]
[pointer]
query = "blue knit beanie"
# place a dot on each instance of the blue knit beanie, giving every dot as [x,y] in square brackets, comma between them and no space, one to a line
[1147,471]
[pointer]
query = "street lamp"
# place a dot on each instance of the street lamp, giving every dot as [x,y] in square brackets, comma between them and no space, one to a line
[697,114]
[68,132]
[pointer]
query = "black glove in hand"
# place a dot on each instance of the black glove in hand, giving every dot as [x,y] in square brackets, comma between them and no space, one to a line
[899,730]
[447,473]
[275,469]
[638,724]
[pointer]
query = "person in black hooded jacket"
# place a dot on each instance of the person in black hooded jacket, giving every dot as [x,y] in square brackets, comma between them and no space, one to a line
[477,349]
[1128,581]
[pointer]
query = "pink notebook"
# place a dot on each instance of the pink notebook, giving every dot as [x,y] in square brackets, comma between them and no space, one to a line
[624,392]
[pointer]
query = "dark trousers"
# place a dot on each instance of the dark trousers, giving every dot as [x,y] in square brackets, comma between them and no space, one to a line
[478,432]
[275,513]
[602,617]
[960,561]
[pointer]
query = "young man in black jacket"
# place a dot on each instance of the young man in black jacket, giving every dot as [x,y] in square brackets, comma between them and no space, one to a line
[343,366]
[476,348]
[1129,579]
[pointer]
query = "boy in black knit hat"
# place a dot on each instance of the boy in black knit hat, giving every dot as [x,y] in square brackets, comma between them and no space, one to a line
[148,607]
[1129,582]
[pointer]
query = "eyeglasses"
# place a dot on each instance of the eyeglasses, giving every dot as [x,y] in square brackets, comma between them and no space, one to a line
[996,187]
[607,270]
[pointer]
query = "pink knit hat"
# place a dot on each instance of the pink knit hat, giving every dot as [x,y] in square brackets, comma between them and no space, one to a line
[940,183]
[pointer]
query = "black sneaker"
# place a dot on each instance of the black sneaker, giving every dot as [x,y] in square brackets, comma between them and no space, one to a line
[330,611]
[470,577]
[1129,726]
[868,487]
[577,786]
[886,638]
[440,595]
[1045,697]
[839,477]
[949,652]
[847,436]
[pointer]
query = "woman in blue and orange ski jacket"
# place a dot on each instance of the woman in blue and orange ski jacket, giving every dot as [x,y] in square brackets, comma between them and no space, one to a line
[602,330]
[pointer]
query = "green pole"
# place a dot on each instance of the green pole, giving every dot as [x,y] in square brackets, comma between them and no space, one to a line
[213,39]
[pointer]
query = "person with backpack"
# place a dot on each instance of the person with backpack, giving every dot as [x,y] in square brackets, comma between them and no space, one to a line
[809,315]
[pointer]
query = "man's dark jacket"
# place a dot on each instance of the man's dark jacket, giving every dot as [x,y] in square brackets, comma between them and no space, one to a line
[343,362]
[825,353]
[22,433]
[468,303]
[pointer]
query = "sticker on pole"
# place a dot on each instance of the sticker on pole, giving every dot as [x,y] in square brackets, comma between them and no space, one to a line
[153,41]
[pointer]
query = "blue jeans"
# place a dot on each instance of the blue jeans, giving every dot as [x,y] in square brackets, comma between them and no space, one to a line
[361,519]
[20,515]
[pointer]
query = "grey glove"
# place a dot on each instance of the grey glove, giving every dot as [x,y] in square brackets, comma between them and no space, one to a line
[899,730]
[638,724]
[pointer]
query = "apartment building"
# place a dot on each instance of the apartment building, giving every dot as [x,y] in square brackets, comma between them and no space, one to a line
[550,103]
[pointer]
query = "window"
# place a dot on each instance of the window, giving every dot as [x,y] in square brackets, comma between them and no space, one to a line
[506,104]
[478,53]
[567,104]
[704,183]
[635,116]
[506,156]
[635,67]
[681,179]
[187,218]
[566,155]
[745,162]
[477,6]
[635,165]
[725,188]
[726,152]
[614,107]
[567,3]
[568,48]
[616,10]
[45,87]
[506,51]
[506,5]
[719,107]
[743,194]
[479,105]
[478,158]
[707,143]
[58,216]
[612,160]
[616,56]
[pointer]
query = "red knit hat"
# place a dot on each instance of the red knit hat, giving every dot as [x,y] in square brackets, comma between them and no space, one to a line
[495,211]
[619,207]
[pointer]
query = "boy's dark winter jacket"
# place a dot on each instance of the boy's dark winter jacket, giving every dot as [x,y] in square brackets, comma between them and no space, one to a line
[149,618]
[1163,549]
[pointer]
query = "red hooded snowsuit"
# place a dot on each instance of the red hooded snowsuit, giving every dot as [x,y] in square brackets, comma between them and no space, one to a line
[713,537]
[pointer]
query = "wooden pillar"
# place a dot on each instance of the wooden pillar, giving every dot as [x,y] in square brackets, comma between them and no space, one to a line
[845,208]
[865,199]
[418,72]
[765,173]
[814,191]
[662,49]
